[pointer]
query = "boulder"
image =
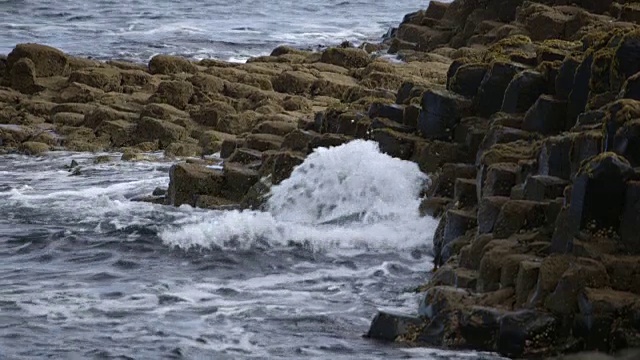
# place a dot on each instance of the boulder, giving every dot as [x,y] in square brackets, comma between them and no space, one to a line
[467,78]
[499,180]
[547,116]
[465,193]
[163,112]
[212,113]
[432,155]
[444,184]
[585,146]
[298,140]
[187,181]
[150,129]
[47,60]
[394,143]
[555,157]
[441,112]
[349,58]
[105,79]
[488,211]
[135,77]
[280,165]
[389,327]
[479,327]
[175,93]
[96,117]
[579,94]
[626,59]
[523,91]
[34,148]
[493,87]
[167,65]
[117,131]
[623,271]
[182,149]
[206,84]
[434,206]
[387,111]
[525,330]
[591,209]
[22,77]
[565,78]
[293,82]
[238,179]
[67,119]
[526,279]
[456,224]
[436,10]
[582,273]
[263,142]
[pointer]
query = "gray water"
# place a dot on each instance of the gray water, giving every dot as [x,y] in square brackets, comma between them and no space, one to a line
[228,30]
[86,273]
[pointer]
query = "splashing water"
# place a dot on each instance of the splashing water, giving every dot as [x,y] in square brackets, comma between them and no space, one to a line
[349,196]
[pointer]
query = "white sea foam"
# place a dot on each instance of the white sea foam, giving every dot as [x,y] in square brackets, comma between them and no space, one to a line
[349,196]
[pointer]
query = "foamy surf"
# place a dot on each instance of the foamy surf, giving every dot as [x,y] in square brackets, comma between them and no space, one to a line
[349,196]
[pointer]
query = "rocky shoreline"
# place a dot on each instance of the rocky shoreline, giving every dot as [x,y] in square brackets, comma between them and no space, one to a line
[525,114]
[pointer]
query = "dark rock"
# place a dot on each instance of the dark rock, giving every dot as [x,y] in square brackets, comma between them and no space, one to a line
[523,91]
[298,140]
[456,224]
[441,112]
[165,64]
[624,272]
[238,179]
[279,128]
[22,77]
[547,116]
[257,196]
[494,84]
[395,144]
[465,194]
[467,78]
[518,215]
[579,94]
[590,118]
[585,145]
[349,58]
[432,155]
[526,280]
[626,59]
[479,327]
[524,330]
[565,78]
[280,165]
[387,111]
[410,116]
[229,146]
[488,211]
[436,10]
[47,61]
[626,142]
[387,326]
[543,187]
[263,142]
[597,199]
[175,93]
[499,180]
[554,158]
[618,113]
[149,129]
[442,299]
[470,132]
[444,184]
[630,224]
[407,91]
[156,192]
[631,88]
[384,123]
[582,272]
[434,206]
[501,135]
[245,156]
[425,38]
[186,181]
[471,255]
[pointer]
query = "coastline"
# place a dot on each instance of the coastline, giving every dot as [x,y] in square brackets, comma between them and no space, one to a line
[523,113]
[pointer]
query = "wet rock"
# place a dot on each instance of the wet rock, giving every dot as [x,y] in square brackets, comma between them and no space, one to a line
[410,116]
[263,142]
[499,180]
[592,209]
[456,224]
[547,116]
[22,77]
[498,134]
[213,202]
[212,114]
[98,115]
[186,181]
[117,131]
[257,196]
[585,146]
[518,215]
[274,127]
[165,64]
[432,155]
[434,206]
[34,148]
[389,327]
[494,84]
[582,272]
[387,111]
[524,330]
[543,187]
[444,183]
[425,38]
[105,79]
[394,143]
[441,112]
[488,211]
[479,327]
[182,149]
[238,179]
[150,129]
[245,156]
[436,10]
[523,91]
[465,193]
[328,141]
[467,78]
[279,165]
[175,93]
[47,60]
[79,93]
[346,57]
[442,299]
[630,224]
